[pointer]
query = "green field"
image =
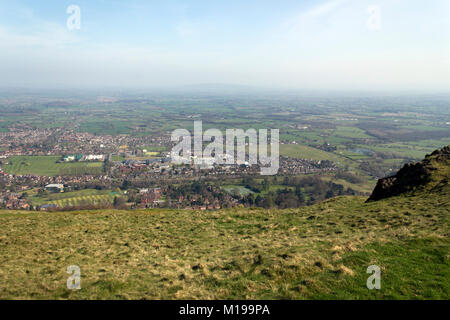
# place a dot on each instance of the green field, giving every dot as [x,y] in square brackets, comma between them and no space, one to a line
[47,166]
[106,126]
[411,149]
[241,190]
[117,158]
[351,132]
[76,198]
[304,152]
[365,187]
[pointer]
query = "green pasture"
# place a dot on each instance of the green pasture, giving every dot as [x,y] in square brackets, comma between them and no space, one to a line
[48,166]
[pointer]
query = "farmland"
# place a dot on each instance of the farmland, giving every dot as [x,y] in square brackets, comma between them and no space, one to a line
[48,166]
[350,132]
[305,152]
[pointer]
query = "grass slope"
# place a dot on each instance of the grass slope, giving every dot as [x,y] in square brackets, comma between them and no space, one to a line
[314,252]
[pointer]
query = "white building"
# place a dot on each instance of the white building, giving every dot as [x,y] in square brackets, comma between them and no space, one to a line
[91,157]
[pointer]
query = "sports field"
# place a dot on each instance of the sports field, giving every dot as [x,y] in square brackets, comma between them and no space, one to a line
[48,166]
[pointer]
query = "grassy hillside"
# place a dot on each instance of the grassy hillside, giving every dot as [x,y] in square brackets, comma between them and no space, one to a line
[315,252]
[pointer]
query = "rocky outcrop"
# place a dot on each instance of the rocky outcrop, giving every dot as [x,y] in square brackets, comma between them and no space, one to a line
[411,177]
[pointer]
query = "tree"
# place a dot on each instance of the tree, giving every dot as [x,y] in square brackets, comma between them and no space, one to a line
[266,184]
[125,184]
[119,202]
[268,201]
[259,201]
[329,194]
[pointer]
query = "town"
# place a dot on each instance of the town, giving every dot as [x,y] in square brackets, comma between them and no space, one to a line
[72,162]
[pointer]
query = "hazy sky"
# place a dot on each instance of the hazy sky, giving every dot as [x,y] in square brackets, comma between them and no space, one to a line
[311,44]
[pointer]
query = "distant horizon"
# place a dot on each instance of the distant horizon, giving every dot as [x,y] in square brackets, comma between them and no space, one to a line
[218,88]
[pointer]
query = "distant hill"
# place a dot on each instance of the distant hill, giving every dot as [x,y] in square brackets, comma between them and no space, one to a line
[316,252]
